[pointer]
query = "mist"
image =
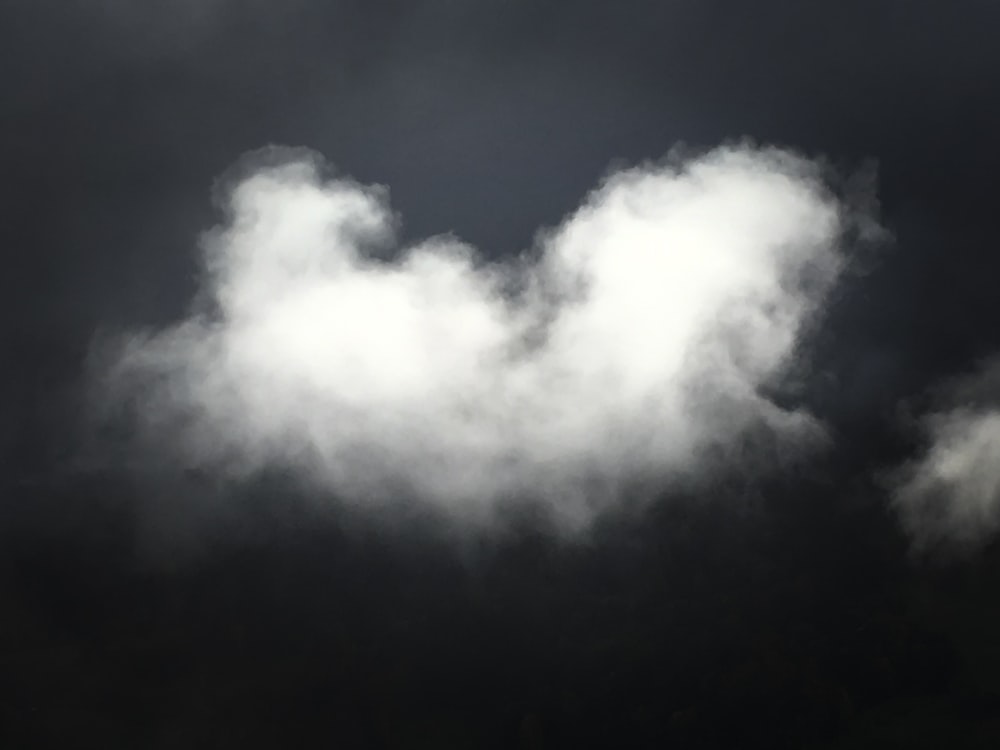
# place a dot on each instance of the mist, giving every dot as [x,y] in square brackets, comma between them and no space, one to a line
[647,339]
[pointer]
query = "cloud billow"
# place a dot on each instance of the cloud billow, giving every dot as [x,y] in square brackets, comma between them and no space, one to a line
[630,345]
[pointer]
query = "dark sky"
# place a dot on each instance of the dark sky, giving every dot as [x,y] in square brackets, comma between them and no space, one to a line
[280,624]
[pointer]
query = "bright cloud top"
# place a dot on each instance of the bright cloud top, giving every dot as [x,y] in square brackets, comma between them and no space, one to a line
[951,494]
[634,342]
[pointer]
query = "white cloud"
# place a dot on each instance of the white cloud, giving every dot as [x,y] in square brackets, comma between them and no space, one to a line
[631,345]
[951,494]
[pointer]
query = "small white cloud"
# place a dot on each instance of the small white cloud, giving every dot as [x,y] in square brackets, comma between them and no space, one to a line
[632,345]
[951,494]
